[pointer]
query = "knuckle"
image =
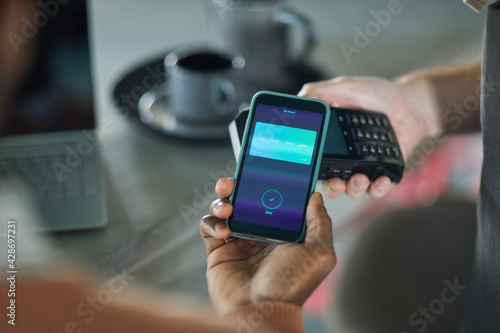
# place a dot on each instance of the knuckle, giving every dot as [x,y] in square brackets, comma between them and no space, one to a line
[330,259]
[325,254]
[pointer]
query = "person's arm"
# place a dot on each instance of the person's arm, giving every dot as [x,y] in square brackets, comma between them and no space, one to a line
[67,304]
[455,92]
[420,104]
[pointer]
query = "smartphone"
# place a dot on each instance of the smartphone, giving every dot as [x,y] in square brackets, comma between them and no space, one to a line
[358,141]
[278,166]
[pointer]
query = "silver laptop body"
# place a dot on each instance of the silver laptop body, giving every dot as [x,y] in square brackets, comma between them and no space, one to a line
[48,139]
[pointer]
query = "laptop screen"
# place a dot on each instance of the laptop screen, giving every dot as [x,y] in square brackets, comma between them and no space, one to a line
[49,84]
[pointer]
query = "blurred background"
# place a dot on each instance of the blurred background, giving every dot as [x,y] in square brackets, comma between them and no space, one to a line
[158,187]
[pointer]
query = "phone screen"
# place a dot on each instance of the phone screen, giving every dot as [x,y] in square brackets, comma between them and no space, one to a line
[335,143]
[276,172]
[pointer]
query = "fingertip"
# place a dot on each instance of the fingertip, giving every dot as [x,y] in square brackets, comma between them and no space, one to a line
[334,188]
[213,233]
[316,202]
[380,187]
[207,223]
[221,208]
[211,226]
[205,218]
[222,231]
[318,197]
[224,187]
[357,185]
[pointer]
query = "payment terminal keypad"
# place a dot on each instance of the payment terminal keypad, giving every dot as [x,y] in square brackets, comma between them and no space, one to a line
[371,135]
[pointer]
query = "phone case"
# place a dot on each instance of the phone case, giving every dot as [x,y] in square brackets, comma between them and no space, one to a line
[315,172]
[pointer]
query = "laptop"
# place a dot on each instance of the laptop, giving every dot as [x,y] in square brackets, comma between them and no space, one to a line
[48,135]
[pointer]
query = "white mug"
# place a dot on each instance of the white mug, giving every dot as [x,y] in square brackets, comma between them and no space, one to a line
[260,31]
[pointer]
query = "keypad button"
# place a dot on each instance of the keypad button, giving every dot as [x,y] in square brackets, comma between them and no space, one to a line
[375,136]
[355,120]
[380,151]
[388,152]
[365,150]
[378,122]
[362,120]
[368,135]
[390,137]
[373,151]
[360,135]
[395,153]
[341,118]
[370,121]
[386,123]
[383,137]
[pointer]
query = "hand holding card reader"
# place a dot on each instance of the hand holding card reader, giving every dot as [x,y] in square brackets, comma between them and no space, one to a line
[357,142]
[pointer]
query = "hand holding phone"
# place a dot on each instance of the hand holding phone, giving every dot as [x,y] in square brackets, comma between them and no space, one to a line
[233,264]
[278,167]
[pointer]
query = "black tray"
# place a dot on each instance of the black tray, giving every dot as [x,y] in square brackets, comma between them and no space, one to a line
[130,88]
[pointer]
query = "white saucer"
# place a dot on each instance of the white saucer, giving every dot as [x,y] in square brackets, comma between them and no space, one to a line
[154,111]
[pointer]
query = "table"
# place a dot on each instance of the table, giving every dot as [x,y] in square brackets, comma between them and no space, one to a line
[152,181]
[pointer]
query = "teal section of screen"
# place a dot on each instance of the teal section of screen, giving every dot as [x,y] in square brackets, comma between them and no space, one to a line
[283,143]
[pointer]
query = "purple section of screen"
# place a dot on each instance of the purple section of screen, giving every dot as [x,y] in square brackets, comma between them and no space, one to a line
[256,181]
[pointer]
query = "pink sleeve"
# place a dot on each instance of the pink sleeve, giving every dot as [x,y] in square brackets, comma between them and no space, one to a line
[266,317]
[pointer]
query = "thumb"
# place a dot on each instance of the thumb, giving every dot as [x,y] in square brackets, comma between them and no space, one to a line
[319,224]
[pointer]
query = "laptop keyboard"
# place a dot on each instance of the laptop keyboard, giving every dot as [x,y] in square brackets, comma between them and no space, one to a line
[52,171]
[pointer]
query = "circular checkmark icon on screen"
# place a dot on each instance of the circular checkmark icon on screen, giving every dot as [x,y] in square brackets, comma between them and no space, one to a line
[272,199]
